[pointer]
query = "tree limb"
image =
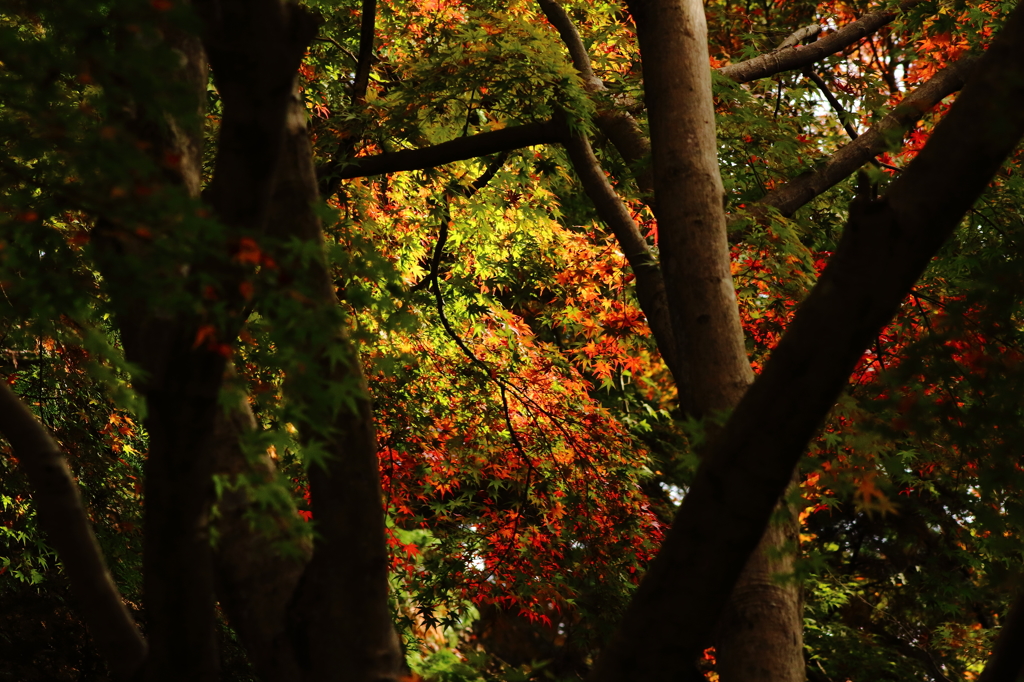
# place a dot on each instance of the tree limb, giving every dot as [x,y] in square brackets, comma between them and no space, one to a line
[798,36]
[879,138]
[886,246]
[459,149]
[63,517]
[367,24]
[650,286]
[558,17]
[611,117]
[787,58]
[841,112]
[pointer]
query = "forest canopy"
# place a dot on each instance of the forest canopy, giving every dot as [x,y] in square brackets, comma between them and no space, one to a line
[462,340]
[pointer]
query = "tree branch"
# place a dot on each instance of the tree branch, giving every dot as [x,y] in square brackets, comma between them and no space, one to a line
[886,246]
[650,286]
[63,517]
[367,24]
[841,112]
[798,36]
[459,149]
[786,58]
[1007,660]
[611,118]
[879,138]
[558,17]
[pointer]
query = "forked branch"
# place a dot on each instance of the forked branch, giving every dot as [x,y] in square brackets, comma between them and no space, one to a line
[797,57]
[879,138]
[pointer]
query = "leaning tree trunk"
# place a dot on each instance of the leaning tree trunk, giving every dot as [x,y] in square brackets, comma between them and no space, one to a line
[339,619]
[760,636]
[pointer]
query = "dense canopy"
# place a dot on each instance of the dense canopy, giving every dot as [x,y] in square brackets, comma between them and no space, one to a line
[463,340]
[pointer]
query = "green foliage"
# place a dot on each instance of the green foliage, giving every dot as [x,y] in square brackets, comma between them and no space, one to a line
[531,449]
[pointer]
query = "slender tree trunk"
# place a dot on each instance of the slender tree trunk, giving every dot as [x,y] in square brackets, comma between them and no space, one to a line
[760,636]
[64,518]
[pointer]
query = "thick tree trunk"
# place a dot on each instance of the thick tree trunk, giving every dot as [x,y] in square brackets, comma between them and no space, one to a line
[256,580]
[340,621]
[760,638]
[181,385]
[885,247]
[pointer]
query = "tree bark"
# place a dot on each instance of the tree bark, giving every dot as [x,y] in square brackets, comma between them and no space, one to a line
[180,384]
[760,639]
[339,622]
[886,246]
[256,580]
[63,517]
[255,48]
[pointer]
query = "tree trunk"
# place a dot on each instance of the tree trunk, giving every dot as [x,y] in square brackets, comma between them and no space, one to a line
[340,621]
[255,579]
[760,637]
[885,247]
[181,384]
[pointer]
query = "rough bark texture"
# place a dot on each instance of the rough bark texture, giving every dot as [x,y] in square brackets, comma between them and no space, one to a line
[256,576]
[886,246]
[760,639]
[692,236]
[760,634]
[63,517]
[340,622]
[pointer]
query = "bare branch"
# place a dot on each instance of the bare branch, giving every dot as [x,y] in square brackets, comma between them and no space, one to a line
[798,36]
[366,32]
[886,246]
[63,517]
[650,286]
[880,137]
[796,57]
[459,149]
